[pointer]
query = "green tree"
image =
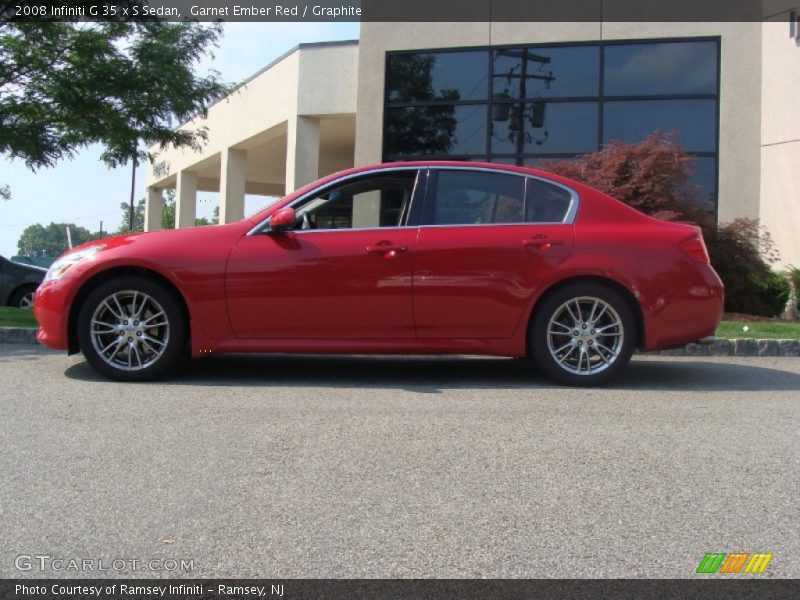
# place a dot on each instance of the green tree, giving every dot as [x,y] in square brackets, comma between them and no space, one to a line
[138,217]
[125,85]
[38,240]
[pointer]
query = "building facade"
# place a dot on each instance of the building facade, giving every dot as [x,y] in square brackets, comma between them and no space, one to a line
[519,93]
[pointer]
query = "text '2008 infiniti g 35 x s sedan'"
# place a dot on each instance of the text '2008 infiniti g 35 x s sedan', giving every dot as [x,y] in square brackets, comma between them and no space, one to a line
[402,258]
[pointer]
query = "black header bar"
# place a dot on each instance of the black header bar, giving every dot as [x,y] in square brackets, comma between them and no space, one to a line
[401,10]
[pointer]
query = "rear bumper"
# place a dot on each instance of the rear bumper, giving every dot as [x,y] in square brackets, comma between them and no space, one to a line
[692,313]
[51,309]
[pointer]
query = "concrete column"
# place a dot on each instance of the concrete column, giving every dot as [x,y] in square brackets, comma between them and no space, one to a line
[233,177]
[186,199]
[302,152]
[153,205]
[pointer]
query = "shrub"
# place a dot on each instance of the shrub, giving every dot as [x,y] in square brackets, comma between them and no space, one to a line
[794,275]
[741,253]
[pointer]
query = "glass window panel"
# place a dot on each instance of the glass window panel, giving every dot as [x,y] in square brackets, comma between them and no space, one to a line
[436,131]
[368,203]
[505,160]
[663,68]
[449,76]
[474,198]
[632,121]
[552,127]
[549,72]
[705,177]
[546,203]
[542,162]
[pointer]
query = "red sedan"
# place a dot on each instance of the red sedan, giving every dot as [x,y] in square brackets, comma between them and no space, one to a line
[403,258]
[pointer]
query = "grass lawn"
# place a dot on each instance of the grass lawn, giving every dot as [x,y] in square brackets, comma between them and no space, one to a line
[16,317]
[763,330]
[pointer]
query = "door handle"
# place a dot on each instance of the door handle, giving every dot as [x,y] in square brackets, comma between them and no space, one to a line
[541,242]
[385,248]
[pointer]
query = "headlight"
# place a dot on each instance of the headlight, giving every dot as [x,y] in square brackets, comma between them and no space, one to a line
[59,267]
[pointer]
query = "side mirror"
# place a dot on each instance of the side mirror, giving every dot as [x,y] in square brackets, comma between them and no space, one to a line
[283,219]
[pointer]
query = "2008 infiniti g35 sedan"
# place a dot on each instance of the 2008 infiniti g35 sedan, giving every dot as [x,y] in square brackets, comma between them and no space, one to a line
[402,258]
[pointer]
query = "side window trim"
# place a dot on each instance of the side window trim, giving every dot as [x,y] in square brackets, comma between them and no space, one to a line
[430,198]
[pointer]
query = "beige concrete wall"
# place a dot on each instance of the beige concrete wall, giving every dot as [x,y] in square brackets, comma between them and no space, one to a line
[740,95]
[327,83]
[780,136]
[309,81]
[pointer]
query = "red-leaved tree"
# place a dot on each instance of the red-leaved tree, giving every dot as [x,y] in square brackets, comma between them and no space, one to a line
[652,176]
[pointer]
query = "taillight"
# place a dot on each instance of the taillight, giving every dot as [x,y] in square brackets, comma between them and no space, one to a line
[695,248]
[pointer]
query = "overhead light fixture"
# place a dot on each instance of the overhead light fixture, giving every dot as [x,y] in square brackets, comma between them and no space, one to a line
[794,24]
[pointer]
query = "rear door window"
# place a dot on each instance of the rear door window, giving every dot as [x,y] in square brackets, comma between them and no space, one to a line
[476,198]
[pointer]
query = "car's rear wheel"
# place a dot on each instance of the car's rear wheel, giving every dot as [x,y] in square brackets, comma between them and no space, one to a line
[131,329]
[23,296]
[583,334]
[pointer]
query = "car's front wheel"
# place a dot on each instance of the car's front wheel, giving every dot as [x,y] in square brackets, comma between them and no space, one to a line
[131,329]
[583,334]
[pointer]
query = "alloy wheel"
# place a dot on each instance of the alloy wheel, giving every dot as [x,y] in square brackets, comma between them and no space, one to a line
[129,330]
[585,335]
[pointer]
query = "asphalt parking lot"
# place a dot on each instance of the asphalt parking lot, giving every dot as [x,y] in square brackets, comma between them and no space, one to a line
[409,467]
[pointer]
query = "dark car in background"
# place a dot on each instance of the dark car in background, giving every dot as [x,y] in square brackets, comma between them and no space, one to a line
[18,283]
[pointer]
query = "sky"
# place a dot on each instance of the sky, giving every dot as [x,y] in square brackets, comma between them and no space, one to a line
[85,192]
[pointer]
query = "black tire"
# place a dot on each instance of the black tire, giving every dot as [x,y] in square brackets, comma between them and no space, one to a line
[18,297]
[172,348]
[586,341]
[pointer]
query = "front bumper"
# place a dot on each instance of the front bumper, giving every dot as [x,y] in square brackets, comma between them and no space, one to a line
[51,309]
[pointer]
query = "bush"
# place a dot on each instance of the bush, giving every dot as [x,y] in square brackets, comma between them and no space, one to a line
[794,275]
[774,290]
[741,253]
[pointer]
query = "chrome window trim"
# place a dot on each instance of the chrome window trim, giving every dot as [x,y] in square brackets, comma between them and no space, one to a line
[569,217]
[258,229]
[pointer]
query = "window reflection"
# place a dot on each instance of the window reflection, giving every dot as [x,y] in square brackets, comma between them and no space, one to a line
[453,76]
[523,104]
[705,177]
[436,131]
[632,121]
[545,72]
[664,68]
[555,127]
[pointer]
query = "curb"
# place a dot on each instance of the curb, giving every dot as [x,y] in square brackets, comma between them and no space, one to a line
[734,347]
[719,347]
[18,335]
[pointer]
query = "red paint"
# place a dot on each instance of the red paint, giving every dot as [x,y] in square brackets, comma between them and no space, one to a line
[405,290]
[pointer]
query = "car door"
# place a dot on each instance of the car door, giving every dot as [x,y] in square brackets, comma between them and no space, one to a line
[344,272]
[487,240]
